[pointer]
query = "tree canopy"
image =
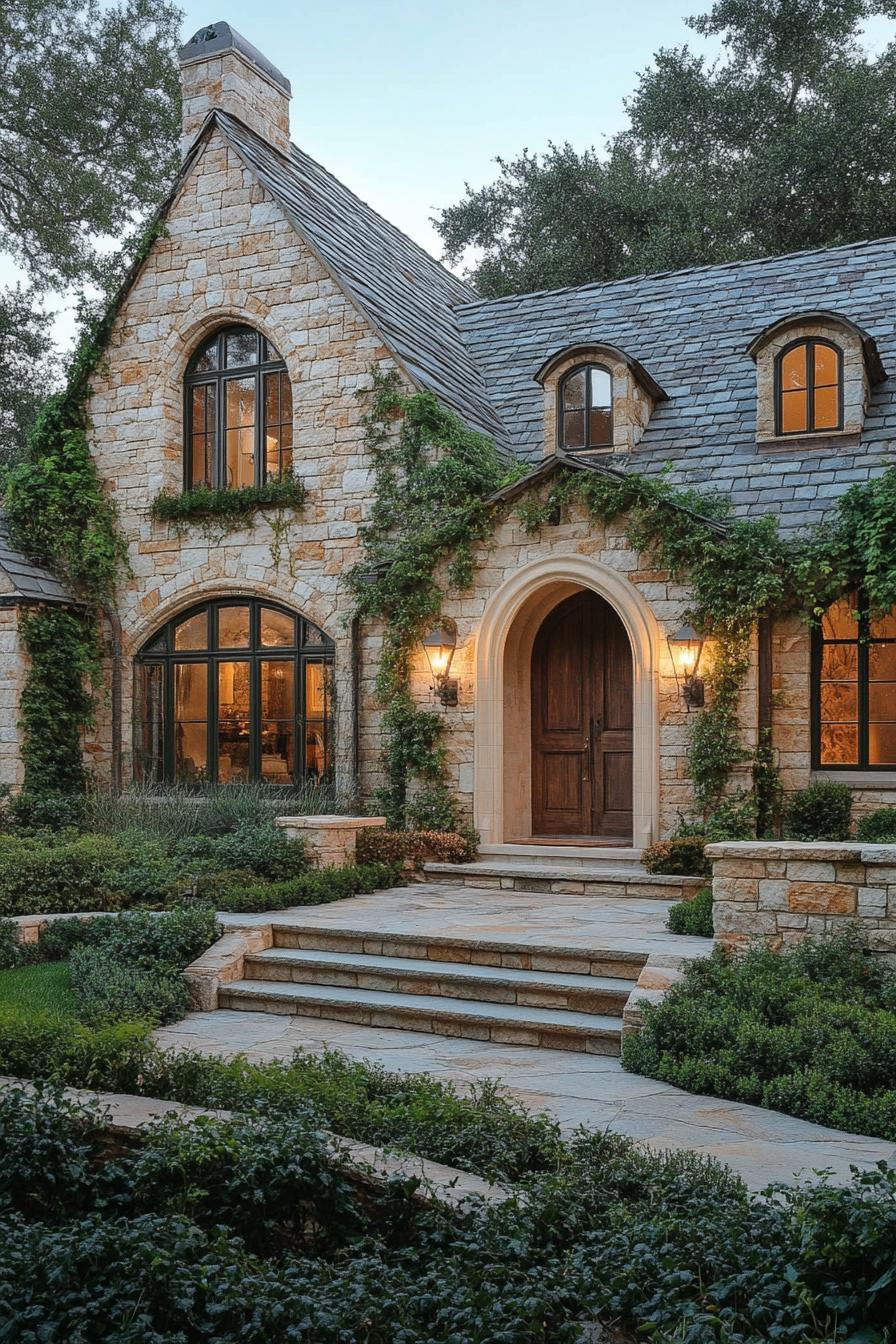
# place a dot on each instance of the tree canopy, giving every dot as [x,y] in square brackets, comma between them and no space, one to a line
[783,143]
[89,116]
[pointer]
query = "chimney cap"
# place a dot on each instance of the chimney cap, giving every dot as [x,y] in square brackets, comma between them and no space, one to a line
[213,39]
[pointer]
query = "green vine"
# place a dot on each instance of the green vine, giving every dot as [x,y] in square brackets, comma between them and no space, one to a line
[432,479]
[220,512]
[61,517]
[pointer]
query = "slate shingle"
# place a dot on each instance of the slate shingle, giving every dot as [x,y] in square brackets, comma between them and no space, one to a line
[21,582]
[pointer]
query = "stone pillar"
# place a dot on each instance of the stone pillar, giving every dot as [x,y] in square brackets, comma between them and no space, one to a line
[331,841]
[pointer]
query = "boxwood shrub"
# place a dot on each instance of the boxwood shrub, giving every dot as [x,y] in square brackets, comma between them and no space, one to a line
[693,917]
[878,827]
[823,811]
[811,1031]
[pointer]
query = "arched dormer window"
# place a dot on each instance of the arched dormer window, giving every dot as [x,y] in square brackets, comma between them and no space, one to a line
[586,408]
[238,412]
[809,387]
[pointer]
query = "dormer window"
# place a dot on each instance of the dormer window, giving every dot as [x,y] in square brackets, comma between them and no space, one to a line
[586,408]
[238,412]
[809,387]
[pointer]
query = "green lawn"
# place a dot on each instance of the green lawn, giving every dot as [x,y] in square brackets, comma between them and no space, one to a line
[38,989]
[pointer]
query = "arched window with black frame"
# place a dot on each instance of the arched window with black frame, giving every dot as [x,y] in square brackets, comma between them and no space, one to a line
[854,688]
[237,412]
[586,408]
[809,387]
[235,690]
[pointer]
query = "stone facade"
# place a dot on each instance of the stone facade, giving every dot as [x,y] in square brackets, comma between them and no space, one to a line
[13,662]
[782,892]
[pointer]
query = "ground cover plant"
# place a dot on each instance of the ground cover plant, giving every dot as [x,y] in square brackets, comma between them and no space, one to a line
[247,1231]
[810,1031]
[693,917]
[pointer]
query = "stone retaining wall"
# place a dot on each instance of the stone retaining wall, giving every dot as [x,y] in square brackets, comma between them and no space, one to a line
[783,891]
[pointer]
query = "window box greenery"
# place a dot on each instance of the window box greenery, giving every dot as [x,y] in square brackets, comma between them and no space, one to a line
[226,508]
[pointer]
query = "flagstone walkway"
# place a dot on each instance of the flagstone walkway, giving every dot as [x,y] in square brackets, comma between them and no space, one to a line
[578,1089]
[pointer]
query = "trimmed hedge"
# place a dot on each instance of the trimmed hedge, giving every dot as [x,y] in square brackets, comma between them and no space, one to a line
[682,855]
[693,917]
[378,845]
[823,811]
[238,892]
[878,827]
[810,1031]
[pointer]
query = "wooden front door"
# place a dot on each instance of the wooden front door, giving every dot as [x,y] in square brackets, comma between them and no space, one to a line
[582,722]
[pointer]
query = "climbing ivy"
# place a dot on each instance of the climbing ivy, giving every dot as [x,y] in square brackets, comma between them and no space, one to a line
[61,517]
[432,480]
[220,512]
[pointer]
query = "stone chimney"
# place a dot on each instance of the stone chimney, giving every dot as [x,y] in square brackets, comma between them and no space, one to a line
[219,68]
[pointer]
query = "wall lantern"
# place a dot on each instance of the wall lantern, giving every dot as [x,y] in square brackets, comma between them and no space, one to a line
[686,646]
[439,646]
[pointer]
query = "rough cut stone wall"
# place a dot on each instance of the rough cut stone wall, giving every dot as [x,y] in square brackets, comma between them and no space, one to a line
[14,665]
[791,716]
[780,892]
[230,254]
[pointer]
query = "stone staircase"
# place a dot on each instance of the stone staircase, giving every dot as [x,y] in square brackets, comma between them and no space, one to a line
[559,998]
[567,872]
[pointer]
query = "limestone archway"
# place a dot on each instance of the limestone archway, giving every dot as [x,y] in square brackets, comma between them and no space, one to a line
[505,639]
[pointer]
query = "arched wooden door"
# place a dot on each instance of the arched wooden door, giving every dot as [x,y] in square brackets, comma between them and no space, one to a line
[582,723]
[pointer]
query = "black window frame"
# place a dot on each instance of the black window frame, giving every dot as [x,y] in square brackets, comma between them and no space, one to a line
[313,648]
[587,446]
[811,342]
[863,641]
[217,378]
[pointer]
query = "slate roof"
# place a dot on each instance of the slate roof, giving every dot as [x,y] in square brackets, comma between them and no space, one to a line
[22,583]
[691,329]
[403,291]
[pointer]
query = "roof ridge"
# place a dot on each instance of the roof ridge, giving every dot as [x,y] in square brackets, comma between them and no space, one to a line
[430,259]
[646,276]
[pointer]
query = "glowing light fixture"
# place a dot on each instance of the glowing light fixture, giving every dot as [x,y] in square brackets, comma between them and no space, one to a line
[439,646]
[686,646]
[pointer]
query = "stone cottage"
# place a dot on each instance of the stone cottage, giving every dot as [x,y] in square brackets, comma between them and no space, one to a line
[236,358]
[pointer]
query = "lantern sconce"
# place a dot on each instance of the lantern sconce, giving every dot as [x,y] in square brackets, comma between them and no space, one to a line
[685,647]
[439,646]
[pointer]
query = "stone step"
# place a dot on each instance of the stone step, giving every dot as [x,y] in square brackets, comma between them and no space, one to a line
[554,877]
[506,1023]
[446,979]
[503,953]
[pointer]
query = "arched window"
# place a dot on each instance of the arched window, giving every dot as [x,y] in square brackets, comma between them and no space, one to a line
[238,412]
[586,408]
[236,689]
[854,688]
[808,387]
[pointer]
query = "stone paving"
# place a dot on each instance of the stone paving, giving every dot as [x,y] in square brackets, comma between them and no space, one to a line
[579,1089]
[610,923]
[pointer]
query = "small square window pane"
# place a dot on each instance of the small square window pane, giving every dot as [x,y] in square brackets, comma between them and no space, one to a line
[278,688]
[839,621]
[207,359]
[600,428]
[882,744]
[233,627]
[193,632]
[826,372]
[839,662]
[240,349]
[794,412]
[793,369]
[882,701]
[827,407]
[839,744]
[574,392]
[883,626]
[277,629]
[839,701]
[574,429]
[278,751]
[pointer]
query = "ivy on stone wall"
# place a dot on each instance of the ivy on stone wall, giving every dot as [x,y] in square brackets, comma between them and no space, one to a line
[60,516]
[220,512]
[432,478]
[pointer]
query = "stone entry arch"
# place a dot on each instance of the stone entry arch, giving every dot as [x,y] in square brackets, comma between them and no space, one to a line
[503,729]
